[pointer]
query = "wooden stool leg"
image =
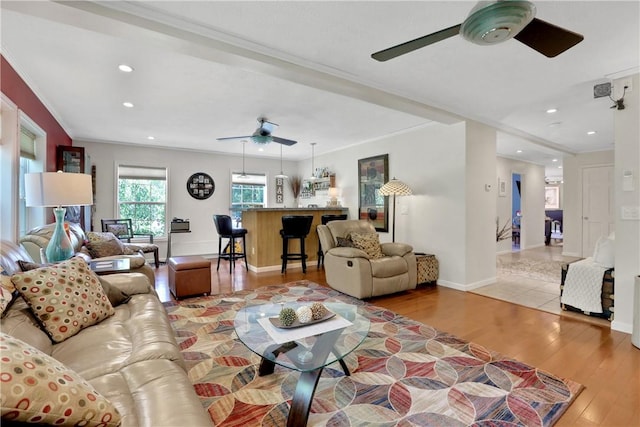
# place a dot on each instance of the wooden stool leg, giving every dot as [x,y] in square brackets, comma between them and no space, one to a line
[303,255]
[244,252]
[285,255]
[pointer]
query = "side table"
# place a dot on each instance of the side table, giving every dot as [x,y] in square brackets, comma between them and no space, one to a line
[428,268]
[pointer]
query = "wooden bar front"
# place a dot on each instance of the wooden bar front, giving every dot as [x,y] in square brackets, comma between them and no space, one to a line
[264,244]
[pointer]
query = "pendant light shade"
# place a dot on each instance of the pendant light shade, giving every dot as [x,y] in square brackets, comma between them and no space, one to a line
[243,174]
[281,174]
[313,167]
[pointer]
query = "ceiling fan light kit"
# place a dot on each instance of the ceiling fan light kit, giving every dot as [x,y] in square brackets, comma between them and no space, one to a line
[497,22]
[493,22]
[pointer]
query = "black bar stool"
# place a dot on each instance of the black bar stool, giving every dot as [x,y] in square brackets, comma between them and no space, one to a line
[295,227]
[324,219]
[225,229]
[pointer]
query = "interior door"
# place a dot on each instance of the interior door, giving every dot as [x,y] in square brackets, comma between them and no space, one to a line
[597,206]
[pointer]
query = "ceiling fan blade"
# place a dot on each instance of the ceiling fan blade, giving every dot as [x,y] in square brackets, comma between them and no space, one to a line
[283,141]
[410,46]
[548,39]
[233,137]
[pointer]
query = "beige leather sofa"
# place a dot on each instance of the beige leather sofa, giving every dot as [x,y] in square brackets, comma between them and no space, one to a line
[353,272]
[37,239]
[131,358]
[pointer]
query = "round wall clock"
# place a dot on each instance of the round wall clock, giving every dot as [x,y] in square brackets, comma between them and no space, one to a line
[200,186]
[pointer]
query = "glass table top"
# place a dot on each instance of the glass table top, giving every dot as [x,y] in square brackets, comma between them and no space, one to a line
[307,353]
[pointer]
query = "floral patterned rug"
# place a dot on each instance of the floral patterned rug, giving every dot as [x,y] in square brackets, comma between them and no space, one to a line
[405,373]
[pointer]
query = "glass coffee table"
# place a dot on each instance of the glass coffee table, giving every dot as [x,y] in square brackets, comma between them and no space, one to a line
[306,354]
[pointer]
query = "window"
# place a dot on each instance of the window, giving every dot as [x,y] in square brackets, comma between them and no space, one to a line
[27,156]
[247,191]
[142,197]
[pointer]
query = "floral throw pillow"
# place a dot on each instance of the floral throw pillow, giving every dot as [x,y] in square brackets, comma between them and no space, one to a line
[36,388]
[368,242]
[64,297]
[104,244]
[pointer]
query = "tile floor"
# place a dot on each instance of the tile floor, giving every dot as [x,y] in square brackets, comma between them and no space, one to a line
[522,290]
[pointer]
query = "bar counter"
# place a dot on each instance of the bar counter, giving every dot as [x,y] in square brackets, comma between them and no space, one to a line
[264,244]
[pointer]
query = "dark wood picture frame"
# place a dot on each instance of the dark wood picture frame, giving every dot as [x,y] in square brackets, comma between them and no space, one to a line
[71,159]
[373,173]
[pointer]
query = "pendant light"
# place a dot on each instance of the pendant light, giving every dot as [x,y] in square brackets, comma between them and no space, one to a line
[313,169]
[281,174]
[243,174]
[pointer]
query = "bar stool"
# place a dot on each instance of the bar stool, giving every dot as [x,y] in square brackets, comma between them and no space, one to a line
[324,219]
[295,227]
[225,229]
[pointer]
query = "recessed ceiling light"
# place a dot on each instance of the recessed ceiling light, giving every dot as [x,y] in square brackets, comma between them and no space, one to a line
[559,167]
[518,151]
[125,68]
[151,137]
[554,160]
[261,149]
[128,104]
[552,110]
[591,132]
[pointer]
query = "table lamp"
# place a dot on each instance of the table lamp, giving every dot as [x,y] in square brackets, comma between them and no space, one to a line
[333,193]
[57,189]
[395,188]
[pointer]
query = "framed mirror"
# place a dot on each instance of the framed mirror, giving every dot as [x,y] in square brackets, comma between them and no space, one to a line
[373,173]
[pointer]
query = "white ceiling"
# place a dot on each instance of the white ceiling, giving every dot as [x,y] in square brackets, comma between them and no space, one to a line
[209,69]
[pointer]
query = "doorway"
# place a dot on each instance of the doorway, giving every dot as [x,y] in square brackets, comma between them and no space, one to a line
[516,211]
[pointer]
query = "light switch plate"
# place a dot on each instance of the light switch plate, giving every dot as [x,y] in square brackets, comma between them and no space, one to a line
[630,213]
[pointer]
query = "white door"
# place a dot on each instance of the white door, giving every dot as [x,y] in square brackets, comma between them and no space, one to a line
[597,206]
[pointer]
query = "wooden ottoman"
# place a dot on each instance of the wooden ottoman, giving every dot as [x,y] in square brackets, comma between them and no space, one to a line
[189,275]
[428,268]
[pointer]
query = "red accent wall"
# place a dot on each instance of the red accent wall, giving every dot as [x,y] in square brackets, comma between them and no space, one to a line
[20,94]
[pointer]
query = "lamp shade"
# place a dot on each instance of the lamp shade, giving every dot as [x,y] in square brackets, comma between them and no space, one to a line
[395,187]
[58,189]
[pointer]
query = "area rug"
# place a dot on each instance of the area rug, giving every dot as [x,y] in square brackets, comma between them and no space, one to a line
[545,270]
[405,373]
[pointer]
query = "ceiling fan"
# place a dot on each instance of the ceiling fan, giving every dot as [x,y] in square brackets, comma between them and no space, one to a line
[492,22]
[262,135]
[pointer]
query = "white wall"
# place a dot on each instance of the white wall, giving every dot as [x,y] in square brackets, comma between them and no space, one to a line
[532,202]
[572,199]
[432,160]
[181,164]
[480,204]
[627,158]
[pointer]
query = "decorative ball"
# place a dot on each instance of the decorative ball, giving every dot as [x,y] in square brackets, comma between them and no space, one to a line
[304,314]
[318,310]
[287,316]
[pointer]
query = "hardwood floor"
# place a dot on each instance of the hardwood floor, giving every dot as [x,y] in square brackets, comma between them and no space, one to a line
[602,360]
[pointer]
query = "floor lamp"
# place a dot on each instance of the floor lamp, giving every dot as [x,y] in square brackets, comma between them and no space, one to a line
[395,188]
[57,189]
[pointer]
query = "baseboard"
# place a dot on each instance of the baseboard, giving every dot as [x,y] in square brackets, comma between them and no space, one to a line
[467,287]
[278,267]
[621,327]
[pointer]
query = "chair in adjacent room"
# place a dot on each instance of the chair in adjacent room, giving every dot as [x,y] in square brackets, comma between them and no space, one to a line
[324,219]
[122,228]
[224,227]
[295,227]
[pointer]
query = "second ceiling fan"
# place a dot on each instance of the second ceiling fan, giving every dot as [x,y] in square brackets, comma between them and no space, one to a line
[263,135]
[491,22]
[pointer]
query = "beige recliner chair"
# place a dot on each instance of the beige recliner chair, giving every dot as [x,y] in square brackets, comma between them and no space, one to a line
[352,271]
